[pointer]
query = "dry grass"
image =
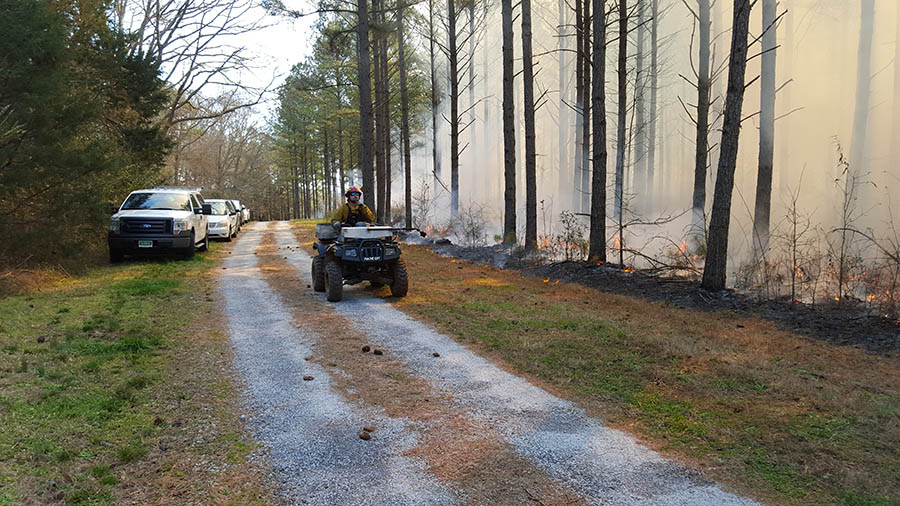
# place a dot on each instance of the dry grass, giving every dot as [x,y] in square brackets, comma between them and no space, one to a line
[774,415]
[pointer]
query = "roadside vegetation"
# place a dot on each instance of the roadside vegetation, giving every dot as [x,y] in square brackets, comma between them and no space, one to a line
[115,386]
[776,416]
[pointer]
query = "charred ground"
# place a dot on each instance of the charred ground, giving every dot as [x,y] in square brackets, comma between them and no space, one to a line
[847,324]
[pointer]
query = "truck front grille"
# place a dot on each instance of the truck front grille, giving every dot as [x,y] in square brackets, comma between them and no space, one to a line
[136,226]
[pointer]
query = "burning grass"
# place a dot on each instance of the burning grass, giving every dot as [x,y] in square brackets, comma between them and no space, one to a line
[777,416]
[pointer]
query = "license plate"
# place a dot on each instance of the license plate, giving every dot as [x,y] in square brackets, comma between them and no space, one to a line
[145,244]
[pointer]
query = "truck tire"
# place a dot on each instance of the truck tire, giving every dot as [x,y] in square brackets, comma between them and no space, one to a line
[400,281]
[334,281]
[318,274]
[229,236]
[116,255]
[205,245]
[188,253]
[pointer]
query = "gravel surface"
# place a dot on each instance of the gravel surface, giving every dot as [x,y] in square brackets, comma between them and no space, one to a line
[312,433]
[605,465]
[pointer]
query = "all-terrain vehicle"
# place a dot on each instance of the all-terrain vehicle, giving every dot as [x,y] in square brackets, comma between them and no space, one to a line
[350,255]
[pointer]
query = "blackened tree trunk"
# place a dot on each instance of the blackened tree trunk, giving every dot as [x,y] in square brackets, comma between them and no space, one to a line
[365,95]
[597,252]
[565,181]
[652,117]
[586,113]
[858,165]
[530,149]
[453,56]
[715,270]
[404,118]
[579,103]
[622,108]
[766,130]
[435,160]
[509,125]
[640,105]
[701,153]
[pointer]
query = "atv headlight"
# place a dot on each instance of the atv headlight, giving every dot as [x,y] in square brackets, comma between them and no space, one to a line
[115,225]
[181,226]
[350,252]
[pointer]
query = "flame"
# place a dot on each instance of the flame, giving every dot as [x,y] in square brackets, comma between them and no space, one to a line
[556,282]
[617,241]
[870,298]
[547,280]
[600,262]
[682,248]
[837,299]
[628,268]
[453,260]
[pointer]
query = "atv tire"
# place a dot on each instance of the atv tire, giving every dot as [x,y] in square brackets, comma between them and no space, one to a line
[334,281]
[318,274]
[400,281]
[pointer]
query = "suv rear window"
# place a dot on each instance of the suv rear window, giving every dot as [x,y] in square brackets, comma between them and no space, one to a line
[219,207]
[162,201]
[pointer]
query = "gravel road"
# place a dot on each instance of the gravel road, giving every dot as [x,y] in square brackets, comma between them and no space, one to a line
[310,430]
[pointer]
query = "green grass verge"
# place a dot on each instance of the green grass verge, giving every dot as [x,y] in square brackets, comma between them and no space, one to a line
[76,363]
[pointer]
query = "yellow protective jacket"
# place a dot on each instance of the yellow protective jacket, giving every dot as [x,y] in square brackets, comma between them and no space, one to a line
[345,214]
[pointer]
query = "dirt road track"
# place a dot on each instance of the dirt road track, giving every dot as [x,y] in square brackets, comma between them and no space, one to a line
[310,428]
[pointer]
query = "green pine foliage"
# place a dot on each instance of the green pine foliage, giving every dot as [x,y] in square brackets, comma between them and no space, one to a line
[76,126]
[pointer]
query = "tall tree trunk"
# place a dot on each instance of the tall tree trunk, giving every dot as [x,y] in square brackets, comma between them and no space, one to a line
[787,63]
[653,113]
[586,115]
[563,132]
[326,172]
[622,108]
[365,95]
[530,150]
[640,108]
[453,56]
[597,251]
[579,104]
[404,119]
[295,186]
[715,270]
[701,154]
[509,125]
[766,130]
[341,156]
[858,163]
[435,159]
[473,133]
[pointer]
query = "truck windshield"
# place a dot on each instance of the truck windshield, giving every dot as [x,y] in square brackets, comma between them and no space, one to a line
[162,201]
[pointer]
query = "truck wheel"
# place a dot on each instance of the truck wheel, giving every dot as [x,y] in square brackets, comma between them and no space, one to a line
[400,281]
[116,255]
[318,274]
[334,281]
[189,251]
[205,245]
[229,236]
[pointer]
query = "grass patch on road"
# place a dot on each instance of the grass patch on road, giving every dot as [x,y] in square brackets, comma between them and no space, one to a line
[774,415]
[91,385]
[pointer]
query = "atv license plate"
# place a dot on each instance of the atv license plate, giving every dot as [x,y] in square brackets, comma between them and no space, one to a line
[370,259]
[145,244]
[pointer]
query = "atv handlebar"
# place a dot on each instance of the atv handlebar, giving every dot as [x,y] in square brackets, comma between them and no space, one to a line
[337,225]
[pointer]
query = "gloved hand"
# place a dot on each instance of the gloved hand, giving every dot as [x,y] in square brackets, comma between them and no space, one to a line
[336,225]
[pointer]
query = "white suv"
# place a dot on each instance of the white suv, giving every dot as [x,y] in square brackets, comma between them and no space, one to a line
[163,219]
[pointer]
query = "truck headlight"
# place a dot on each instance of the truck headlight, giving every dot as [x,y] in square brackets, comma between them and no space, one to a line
[115,225]
[350,252]
[181,226]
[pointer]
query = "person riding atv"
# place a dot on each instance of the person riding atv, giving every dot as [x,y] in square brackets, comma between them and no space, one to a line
[353,211]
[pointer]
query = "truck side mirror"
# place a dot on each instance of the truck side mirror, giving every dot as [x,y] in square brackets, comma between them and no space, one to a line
[112,208]
[207,209]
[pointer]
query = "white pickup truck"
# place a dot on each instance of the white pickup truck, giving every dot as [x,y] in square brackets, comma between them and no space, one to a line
[159,220]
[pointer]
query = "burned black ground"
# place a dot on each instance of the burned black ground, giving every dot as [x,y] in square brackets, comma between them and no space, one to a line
[847,324]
